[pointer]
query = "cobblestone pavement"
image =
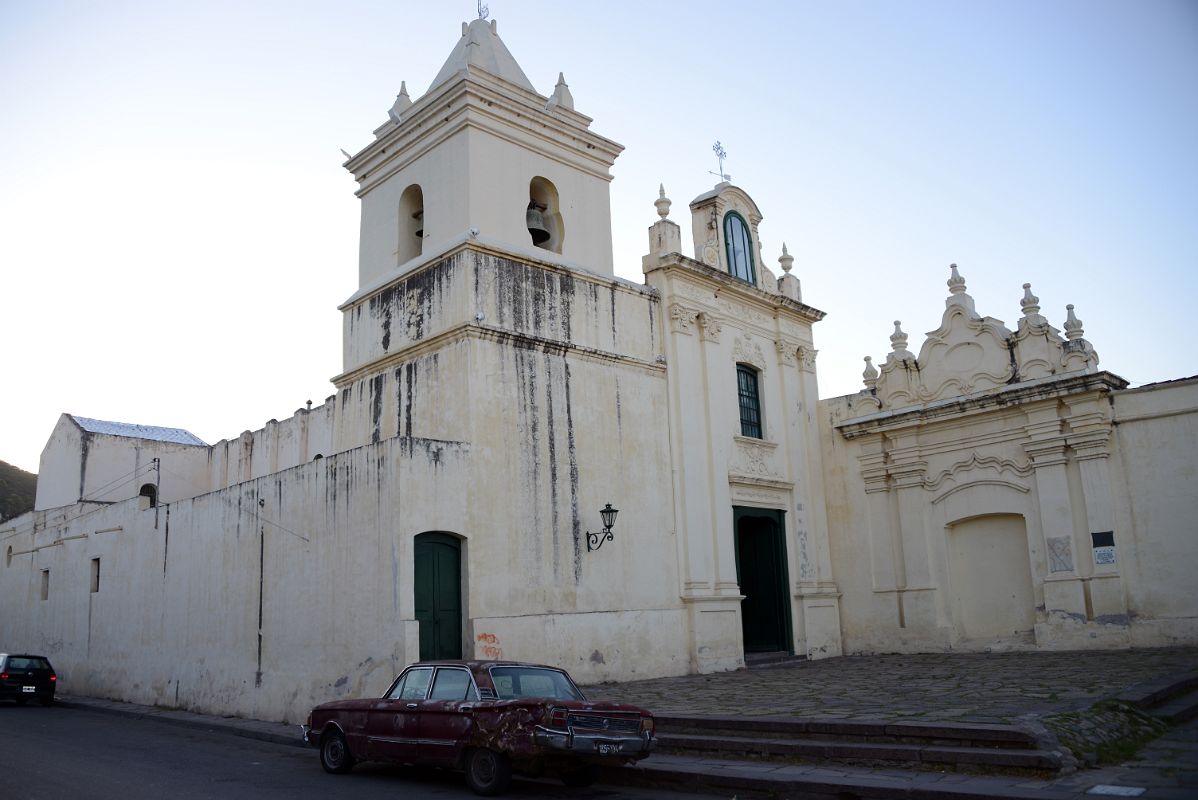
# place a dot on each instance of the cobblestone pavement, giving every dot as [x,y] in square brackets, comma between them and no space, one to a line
[1166,767]
[974,687]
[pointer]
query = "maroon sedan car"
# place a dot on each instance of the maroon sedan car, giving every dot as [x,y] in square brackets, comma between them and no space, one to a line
[489,718]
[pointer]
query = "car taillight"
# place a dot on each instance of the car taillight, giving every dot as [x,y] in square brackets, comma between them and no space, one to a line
[558,718]
[646,725]
[3,676]
[53,677]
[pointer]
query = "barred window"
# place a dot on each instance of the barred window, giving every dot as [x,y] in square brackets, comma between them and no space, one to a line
[750,401]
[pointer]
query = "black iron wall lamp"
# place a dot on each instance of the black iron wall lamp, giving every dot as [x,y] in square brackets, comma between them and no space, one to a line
[596,540]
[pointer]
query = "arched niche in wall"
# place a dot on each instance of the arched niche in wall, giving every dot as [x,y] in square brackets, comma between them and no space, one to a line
[543,216]
[148,495]
[411,223]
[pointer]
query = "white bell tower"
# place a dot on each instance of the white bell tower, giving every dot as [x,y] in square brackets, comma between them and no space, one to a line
[482,155]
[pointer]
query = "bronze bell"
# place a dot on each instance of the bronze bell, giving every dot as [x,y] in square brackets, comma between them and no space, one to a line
[535,222]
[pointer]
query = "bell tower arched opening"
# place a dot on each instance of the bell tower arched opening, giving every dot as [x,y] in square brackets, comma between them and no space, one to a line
[411,224]
[543,216]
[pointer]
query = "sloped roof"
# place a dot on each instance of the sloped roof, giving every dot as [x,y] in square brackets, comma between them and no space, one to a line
[481,48]
[133,431]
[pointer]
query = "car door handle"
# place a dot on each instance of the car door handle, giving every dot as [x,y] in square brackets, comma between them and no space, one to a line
[411,706]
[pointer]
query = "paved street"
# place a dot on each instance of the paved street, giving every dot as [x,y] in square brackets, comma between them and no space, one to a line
[982,687]
[60,752]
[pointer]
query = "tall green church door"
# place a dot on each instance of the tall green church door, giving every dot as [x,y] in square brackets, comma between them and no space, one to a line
[438,589]
[762,575]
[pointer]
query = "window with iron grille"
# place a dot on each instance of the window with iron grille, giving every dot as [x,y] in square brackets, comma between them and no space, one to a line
[750,402]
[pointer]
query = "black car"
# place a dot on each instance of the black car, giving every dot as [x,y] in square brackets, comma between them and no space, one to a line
[25,677]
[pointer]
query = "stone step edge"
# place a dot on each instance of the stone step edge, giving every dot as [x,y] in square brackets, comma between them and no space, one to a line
[1178,710]
[867,751]
[698,777]
[1153,693]
[801,726]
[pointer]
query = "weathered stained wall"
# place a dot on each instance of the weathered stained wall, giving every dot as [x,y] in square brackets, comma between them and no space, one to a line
[323,549]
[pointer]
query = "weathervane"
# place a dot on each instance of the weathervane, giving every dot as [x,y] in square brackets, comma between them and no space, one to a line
[721,154]
[483,11]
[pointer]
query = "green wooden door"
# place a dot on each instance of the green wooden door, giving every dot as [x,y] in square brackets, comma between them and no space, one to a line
[438,589]
[762,575]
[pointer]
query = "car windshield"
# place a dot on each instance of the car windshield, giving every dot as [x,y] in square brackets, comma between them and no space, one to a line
[515,682]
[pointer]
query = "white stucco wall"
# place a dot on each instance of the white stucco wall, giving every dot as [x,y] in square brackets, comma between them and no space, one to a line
[1156,432]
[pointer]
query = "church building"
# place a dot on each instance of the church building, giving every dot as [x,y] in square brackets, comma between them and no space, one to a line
[527,457]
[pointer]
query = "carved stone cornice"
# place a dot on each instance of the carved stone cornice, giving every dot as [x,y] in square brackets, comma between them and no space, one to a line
[746,351]
[909,474]
[682,318]
[1090,444]
[1047,452]
[710,326]
[806,356]
[786,351]
[754,458]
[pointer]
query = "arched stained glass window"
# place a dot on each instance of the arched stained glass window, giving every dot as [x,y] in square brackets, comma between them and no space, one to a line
[739,245]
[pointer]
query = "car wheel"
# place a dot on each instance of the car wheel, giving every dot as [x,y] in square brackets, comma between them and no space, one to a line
[581,777]
[22,701]
[46,701]
[334,752]
[487,773]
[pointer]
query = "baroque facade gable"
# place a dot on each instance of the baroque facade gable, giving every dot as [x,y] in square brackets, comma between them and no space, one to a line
[970,353]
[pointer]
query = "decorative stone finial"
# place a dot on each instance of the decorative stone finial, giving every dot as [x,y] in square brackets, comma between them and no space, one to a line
[786,260]
[1030,303]
[871,374]
[956,284]
[898,339]
[402,103]
[662,202]
[561,93]
[1073,325]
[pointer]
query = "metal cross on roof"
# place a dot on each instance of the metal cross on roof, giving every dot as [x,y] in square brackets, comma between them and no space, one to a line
[721,154]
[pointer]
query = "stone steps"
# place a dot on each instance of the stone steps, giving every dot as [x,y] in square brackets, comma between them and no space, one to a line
[963,747]
[1173,699]
[756,779]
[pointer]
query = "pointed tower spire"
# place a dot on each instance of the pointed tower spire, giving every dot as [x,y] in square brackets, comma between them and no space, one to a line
[402,103]
[480,48]
[561,93]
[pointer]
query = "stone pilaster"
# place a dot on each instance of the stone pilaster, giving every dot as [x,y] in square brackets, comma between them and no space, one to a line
[1063,591]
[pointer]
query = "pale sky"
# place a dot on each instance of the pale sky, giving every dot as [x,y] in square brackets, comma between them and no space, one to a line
[176,229]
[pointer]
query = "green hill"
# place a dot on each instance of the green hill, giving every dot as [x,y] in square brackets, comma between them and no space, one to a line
[17,490]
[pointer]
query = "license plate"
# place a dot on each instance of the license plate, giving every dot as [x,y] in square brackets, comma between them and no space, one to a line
[609,749]
[29,689]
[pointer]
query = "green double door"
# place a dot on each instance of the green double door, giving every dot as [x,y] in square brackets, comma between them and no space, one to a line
[438,590]
[762,575]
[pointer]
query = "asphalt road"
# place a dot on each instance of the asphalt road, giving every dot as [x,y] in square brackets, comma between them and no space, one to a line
[55,753]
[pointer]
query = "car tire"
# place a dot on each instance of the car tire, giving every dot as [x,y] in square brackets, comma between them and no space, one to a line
[22,700]
[334,752]
[582,777]
[487,773]
[46,701]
